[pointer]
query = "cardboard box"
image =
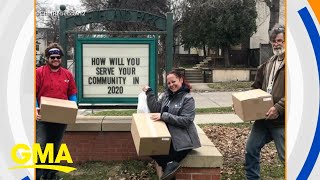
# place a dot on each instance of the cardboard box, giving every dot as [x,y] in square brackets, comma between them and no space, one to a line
[150,137]
[252,105]
[58,110]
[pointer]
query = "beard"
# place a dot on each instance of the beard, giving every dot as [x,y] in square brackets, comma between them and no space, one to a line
[53,66]
[278,50]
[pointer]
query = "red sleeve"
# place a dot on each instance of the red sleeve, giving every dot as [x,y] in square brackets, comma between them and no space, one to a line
[72,89]
[38,79]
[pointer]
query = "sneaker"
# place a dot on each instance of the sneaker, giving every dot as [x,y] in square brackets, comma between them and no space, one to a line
[170,170]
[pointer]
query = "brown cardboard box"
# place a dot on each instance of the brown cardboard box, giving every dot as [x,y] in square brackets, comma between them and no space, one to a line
[150,137]
[252,105]
[58,110]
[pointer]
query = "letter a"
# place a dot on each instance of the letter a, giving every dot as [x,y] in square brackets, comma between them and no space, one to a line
[63,150]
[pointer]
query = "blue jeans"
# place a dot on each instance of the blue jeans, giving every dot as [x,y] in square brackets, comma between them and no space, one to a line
[49,133]
[262,133]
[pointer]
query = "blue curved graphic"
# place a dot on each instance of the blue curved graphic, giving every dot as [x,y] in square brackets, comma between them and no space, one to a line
[315,147]
[26,178]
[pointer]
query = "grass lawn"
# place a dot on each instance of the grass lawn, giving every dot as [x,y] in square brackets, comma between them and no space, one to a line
[268,171]
[129,112]
[230,140]
[131,169]
[230,86]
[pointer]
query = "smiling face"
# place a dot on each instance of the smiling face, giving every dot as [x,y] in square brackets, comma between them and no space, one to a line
[54,54]
[174,83]
[278,45]
[54,61]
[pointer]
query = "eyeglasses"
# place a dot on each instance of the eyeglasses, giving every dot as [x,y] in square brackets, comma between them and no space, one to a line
[55,57]
[278,41]
[280,28]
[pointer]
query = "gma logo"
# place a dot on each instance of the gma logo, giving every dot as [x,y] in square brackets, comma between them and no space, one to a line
[47,154]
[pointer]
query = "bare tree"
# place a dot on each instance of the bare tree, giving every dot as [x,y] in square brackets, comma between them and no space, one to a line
[274,7]
[157,7]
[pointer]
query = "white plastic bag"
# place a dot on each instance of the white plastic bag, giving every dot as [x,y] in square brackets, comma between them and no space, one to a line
[142,103]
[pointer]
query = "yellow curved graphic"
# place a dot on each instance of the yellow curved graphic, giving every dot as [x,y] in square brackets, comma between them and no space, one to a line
[65,169]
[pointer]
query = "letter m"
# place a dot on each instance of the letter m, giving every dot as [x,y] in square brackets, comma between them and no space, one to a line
[48,152]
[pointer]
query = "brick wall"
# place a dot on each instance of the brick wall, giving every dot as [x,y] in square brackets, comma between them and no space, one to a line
[109,146]
[189,173]
[100,146]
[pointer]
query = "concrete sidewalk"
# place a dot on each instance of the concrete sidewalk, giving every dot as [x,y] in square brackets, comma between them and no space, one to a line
[206,97]
[212,99]
[203,99]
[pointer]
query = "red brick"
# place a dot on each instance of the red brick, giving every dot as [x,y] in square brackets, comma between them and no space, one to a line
[216,177]
[183,176]
[201,177]
[101,146]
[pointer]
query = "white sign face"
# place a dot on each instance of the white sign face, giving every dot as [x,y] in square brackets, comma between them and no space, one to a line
[115,70]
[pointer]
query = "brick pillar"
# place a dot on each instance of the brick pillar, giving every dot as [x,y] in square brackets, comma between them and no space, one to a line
[191,173]
[100,146]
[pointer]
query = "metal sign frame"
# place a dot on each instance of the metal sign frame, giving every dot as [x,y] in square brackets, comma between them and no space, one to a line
[163,23]
[151,42]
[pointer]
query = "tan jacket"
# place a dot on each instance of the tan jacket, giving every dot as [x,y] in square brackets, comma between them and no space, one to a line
[278,90]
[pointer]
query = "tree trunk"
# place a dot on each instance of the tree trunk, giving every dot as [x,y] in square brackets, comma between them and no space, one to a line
[204,51]
[274,7]
[55,35]
[226,56]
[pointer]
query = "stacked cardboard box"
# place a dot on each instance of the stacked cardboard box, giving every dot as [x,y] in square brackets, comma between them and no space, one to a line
[58,110]
[150,137]
[252,105]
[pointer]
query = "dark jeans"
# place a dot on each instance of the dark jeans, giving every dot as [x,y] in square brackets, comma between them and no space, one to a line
[262,133]
[173,155]
[49,133]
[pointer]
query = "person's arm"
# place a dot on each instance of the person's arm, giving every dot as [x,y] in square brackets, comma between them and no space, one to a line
[73,97]
[38,83]
[185,118]
[153,104]
[276,110]
[280,106]
[37,104]
[258,80]
[72,88]
[38,116]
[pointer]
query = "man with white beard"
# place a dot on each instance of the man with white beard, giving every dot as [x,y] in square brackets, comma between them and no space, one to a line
[270,78]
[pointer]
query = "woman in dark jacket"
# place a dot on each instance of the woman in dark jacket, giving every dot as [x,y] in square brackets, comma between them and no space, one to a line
[177,109]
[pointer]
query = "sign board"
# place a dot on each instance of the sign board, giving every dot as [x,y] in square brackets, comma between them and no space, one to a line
[114,71]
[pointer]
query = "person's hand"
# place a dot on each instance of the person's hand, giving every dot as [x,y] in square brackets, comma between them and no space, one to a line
[38,116]
[145,88]
[156,116]
[272,113]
